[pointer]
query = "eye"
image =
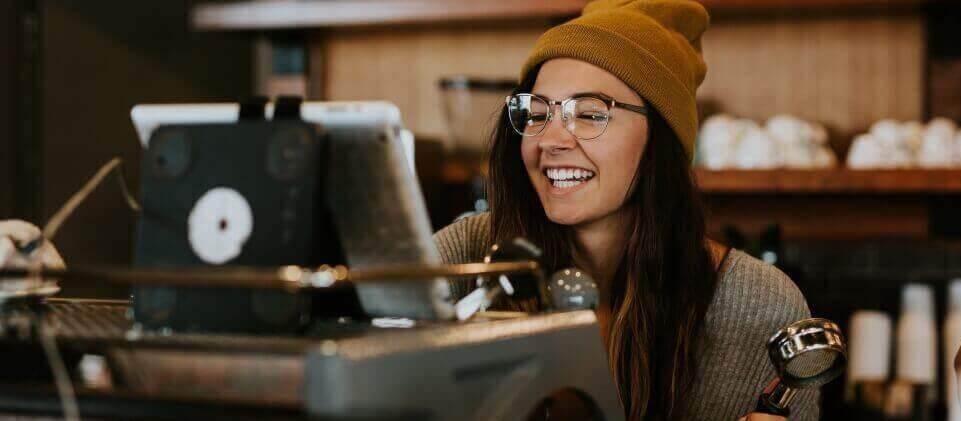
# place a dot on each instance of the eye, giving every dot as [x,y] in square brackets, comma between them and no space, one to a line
[537,118]
[593,117]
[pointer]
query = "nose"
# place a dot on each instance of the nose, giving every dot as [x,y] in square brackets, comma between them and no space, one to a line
[555,137]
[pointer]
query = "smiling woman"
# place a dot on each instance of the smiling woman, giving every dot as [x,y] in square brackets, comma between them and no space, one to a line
[601,131]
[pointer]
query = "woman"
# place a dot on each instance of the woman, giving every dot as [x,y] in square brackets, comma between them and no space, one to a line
[591,160]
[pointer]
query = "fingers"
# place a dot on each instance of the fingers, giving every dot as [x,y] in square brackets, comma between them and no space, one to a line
[49,256]
[7,251]
[757,416]
[21,232]
[15,234]
[10,256]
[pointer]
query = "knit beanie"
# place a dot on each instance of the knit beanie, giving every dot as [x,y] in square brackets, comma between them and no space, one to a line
[654,46]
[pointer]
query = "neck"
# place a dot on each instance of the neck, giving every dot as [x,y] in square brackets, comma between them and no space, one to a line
[598,249]
[600,246]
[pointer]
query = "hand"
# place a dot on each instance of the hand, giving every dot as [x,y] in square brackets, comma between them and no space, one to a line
[15,234]
[757,416]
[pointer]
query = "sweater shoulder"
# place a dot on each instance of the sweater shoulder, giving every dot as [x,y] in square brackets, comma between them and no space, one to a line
[465,240]
[756,292]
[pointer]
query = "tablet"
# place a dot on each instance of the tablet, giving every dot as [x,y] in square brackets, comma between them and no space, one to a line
[375,199]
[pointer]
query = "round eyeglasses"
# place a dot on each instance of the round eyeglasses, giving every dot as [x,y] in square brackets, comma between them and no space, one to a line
[586,116]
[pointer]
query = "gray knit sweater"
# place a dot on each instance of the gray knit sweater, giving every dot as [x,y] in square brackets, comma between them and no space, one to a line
[752,301]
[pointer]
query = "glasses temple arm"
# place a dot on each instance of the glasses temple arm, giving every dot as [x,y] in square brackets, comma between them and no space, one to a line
[640,109]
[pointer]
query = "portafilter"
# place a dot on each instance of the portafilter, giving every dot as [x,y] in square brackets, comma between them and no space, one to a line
[806,354]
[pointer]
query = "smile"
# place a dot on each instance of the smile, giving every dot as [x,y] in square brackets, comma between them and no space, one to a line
[566,178]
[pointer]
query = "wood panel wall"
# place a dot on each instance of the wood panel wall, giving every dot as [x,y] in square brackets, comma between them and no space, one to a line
[846,71]
[404,65]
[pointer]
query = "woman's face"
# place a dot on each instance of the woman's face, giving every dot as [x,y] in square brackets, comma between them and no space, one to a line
[612,158]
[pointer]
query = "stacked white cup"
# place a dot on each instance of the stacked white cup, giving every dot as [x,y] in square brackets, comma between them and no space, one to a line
[951,340]
[869,347]
[916,337]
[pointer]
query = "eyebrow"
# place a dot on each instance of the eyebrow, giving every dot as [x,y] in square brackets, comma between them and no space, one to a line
[577,95]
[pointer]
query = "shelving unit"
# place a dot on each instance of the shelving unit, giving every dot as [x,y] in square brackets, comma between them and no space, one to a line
[827,53]
[288,14]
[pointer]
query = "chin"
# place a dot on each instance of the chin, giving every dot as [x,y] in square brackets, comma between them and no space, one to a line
[564,215]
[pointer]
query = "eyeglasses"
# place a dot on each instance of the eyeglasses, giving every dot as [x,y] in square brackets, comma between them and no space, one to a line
[586,116]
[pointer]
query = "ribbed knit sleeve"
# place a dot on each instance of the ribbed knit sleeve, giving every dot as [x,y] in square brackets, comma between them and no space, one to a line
[464,241]
[753,300]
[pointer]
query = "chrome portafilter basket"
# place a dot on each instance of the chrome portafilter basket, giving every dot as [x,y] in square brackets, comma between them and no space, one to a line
[806,354]
[573,289]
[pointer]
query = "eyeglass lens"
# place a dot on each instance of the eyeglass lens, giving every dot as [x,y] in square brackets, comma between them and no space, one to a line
[584,117]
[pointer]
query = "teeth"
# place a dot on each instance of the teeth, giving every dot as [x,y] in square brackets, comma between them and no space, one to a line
[566,184]
[564,174]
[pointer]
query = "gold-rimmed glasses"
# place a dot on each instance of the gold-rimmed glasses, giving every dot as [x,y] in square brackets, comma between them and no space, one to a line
[586,116]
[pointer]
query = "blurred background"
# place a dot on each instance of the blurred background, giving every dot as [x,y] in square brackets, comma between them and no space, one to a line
[829,143]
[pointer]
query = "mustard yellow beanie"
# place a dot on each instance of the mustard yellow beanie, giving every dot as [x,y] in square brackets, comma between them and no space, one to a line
[654,46]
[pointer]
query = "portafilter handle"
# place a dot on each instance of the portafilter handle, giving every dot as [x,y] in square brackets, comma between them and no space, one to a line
[776,399]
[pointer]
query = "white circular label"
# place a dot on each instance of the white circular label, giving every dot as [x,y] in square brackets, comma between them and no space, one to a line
[219,225]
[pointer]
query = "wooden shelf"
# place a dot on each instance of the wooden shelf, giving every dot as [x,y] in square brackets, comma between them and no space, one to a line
[795,5]
[289,14]
[834,181]
[334,13]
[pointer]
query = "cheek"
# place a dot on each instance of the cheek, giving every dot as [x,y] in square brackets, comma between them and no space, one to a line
[530,153]
[624,165]
[617,162]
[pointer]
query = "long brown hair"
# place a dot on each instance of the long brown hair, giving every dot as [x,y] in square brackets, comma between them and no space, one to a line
[661,289]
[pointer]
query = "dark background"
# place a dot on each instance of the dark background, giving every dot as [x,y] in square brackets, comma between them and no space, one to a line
[71,71]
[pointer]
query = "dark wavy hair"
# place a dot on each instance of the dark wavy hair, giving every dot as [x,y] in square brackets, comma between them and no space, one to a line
[666,278]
